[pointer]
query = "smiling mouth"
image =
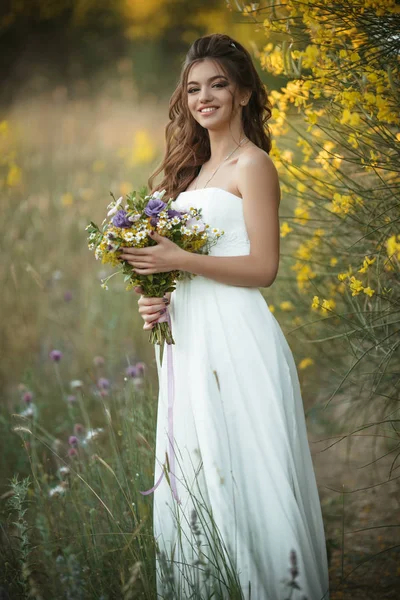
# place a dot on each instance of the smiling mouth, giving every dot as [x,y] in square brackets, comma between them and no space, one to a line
[208,111]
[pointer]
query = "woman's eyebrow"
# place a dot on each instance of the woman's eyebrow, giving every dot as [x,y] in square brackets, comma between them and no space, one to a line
[209,79]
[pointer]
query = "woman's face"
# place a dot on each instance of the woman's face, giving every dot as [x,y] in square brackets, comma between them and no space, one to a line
[209,87]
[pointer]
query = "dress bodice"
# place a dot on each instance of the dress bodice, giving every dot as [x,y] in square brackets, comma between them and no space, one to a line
[221,209]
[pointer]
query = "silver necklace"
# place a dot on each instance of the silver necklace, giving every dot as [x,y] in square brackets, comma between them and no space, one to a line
[226,158]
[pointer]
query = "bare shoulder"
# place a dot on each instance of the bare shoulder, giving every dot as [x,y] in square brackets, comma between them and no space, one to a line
[256,169]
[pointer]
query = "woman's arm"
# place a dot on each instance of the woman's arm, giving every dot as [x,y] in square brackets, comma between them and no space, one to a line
[258,183]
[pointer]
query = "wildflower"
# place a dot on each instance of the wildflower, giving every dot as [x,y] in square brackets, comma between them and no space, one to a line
[27,397]
[103,383]
[368,291]
[306,362]
[131,371]
[71,398]
[92,434]
[114,207]
[78,428]
[98,361]
[286,305]
[328,305]
[64,471]
[73,440]
[285,229]
[72,452]
[57,490]
[55,355]
[76,384]
[315,302]
[366,263]
[121,220]
[356,286]
[141,367]
[30,412]
[271,308]
[67,296]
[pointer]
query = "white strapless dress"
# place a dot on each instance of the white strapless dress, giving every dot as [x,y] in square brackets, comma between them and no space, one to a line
[240,441]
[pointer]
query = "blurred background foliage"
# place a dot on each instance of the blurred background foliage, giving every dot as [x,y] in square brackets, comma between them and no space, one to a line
[87,45]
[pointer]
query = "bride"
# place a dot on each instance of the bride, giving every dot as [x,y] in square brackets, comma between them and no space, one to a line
[243,519]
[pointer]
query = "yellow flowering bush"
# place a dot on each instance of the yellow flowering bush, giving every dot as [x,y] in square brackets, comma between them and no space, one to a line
[341,104]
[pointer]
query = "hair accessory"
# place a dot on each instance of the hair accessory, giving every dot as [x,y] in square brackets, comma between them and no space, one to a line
[232,44]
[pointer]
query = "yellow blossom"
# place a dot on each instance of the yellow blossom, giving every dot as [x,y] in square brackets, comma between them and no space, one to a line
[271,308]
[355,285]
[366,263]
[286,305]
[315,302]
[368,291]
[285,229]
[328,305]
[333,261]
[306,362]
[301,214]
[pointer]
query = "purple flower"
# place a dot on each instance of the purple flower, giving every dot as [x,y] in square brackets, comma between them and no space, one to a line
[72,452]
[131,371]
[78,428]
[27,397]
[71,398]
[154,207]
[141,367]
[55,355]
[73,440]
[154,221]
[103,383]
[174,213]
[121,220]
[67,296]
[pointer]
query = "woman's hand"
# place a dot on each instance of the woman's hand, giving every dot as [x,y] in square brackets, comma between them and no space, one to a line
[150,308]
[165,256]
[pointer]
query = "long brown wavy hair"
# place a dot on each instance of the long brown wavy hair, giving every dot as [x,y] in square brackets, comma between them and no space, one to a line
[187,142]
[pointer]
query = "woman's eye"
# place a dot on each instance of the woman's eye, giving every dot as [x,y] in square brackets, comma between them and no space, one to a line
[215,85]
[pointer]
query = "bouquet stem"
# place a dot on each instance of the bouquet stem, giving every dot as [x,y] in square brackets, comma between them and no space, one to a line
[161,333]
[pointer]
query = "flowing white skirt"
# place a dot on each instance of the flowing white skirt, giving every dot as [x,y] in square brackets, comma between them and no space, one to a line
[243,460]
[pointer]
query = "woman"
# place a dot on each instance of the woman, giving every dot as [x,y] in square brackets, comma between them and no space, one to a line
[240,436]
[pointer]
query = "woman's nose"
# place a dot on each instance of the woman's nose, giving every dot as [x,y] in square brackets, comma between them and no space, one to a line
[205,96]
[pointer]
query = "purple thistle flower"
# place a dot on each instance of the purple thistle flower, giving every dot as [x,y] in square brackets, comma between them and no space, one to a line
[131,371]
[103,383]
[73,440]
[71,398]
[141,367]
[72,452]
[55,355]
[121,220]
[27,397]
[154,207]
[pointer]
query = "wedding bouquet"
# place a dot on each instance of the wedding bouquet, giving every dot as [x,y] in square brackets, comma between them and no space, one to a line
[131,225]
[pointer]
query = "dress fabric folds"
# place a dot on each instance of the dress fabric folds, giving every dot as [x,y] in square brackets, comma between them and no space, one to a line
[243,467]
